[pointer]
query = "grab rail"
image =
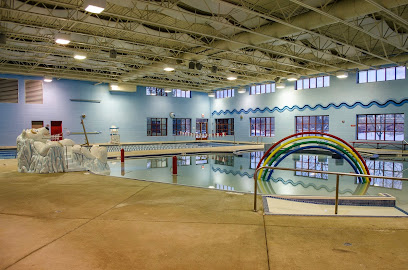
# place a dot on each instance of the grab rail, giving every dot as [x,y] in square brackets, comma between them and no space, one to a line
[338,174]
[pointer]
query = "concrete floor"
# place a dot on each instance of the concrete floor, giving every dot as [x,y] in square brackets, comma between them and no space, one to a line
[84,221]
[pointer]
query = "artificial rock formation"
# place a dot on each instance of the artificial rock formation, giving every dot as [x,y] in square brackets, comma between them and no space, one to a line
[37,154]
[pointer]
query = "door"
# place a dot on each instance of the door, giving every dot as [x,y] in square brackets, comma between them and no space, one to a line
[201,129]
[56,130]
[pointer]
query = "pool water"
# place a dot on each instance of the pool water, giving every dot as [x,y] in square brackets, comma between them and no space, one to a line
[235,173]
[8,154]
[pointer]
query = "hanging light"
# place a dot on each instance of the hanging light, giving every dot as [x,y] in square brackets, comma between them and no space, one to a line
[211,94]
[63,39]
[168,68]
[80,56]
[341,74]
[94,6]
[232,77]
[167,90]
[280,85]
[47,79]
[292,78]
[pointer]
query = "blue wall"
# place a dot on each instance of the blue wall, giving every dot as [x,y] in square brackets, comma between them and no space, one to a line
[287,103]
[129,111]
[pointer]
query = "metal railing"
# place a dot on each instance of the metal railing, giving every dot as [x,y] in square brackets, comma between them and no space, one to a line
[338,174]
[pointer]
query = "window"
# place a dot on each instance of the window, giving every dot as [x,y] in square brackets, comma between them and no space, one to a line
[262,89]
[308,83]
[226,93]
[156,126]
[385,168]
[181,93]
[224,126]
[380,75]
[181,125]
[34,91]
[153,91]
[310,162]
[8,91]
[262,126]
[255,158]
[317,123]
[380,127]
[37,124]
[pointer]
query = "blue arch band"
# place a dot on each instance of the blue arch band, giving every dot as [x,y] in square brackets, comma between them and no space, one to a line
[321,147]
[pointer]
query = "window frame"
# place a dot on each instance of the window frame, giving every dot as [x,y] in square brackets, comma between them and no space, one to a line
[381,75]
[161,131]
[315,123]
[263,126]
[224,125]
[154,91]
[312,83]
[178,93]
[381,128]
[225,93]
[182,127]
[258,89]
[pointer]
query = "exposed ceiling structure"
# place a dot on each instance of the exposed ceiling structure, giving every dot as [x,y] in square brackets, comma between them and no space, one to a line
[205,41]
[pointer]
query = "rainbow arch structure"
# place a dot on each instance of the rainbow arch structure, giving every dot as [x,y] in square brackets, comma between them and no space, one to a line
[314,140]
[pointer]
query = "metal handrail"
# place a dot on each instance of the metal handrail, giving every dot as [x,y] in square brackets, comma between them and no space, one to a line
[338,174]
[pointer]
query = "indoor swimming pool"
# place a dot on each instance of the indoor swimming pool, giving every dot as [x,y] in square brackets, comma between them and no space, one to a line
[235,173]
[8,153]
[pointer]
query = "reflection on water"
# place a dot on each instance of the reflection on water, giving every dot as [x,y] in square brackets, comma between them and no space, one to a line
[156,163]
[229,172]
[312,162]
[385,168]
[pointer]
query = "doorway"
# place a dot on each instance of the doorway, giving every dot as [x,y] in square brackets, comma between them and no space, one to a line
[56,130]
[201,129]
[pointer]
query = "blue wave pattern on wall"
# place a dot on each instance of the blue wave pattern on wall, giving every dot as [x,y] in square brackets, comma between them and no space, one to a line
[242,174]
[285,182]
[318,106]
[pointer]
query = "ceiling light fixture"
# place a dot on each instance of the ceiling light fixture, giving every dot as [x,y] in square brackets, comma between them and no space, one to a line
[47,79]
[341,74]
[231,77]
[280,85]
[63,39]
[80,56]
[211,95]
[167,90]
[292,78]
[94,6]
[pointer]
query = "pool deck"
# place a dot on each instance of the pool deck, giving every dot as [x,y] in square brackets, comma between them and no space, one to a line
[85,221]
